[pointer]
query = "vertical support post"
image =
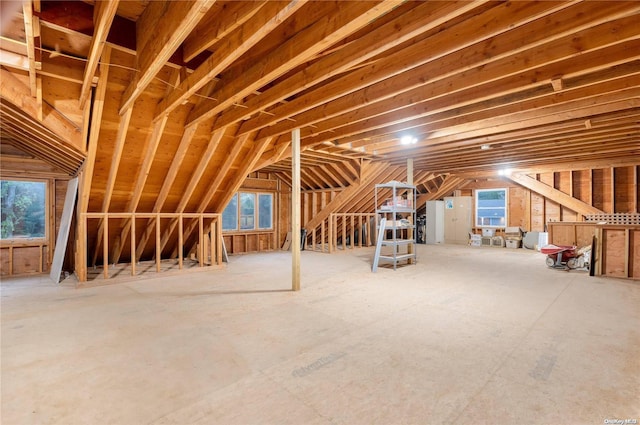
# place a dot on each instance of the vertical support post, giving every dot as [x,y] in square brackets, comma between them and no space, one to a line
[295,209]
[40,262]
[219,240]
[410,201]
[105,247]
[322,235]
[10,260]
[200,240]
[158,244]
[331,234]
[133,245]
[212,242]
[81,249]
[627,263]
[344,232]
[352,232]
[180,242]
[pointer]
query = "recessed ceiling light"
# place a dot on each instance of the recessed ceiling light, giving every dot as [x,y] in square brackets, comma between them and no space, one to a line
[408,140]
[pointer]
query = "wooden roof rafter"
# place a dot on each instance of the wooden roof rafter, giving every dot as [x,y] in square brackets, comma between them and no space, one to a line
[298,49]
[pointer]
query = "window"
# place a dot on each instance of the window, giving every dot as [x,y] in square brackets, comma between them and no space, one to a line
[265,214]
[491,207]
[230,214]
[23,209]
[240,213]
[247,211]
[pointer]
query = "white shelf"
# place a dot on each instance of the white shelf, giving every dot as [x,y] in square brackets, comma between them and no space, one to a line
[399,199]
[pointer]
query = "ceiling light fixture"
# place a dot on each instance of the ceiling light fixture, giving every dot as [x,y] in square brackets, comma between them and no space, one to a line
[485,147]
[408,140]
[504,172]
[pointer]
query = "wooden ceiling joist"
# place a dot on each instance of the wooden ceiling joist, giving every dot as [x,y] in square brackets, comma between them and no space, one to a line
[197,94]
[424,17]
[104,12]
[160,31]
[240,41]
[304,45]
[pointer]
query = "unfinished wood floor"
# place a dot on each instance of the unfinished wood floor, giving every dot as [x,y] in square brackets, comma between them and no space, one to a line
[468,335]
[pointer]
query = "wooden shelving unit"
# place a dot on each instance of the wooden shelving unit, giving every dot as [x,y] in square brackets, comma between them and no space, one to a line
[396,231]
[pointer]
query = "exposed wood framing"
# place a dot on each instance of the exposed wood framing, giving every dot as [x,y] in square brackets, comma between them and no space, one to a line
[31,29]
[104,12]
[295,211]
[241,40]
[161,30]
[554,194]
[143,173]
[14,91]
[343,21]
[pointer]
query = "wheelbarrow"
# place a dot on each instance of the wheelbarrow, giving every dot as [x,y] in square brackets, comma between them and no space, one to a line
[567,256]
[558,255]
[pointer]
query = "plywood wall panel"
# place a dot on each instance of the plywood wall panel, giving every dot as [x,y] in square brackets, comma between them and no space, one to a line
[517,207]
[584,235]
[5,255]
[563,234]
[563,181]
[624,186]
[64,96]
[582,185]
[638,189]
[551,208]
[284,215]
[614,253]
[537,213]
[601,185]
[26,260]
[634,254]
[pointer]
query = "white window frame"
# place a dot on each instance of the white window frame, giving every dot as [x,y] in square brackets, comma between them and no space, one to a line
[256,212]
[506,208]
[47,209]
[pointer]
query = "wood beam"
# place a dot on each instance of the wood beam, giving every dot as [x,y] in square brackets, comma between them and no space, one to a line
[176,163]
[214,142]
[448,185]
[104,12]
[554,194]
[304,45]
[458,118]
[214,186]
[295,211]
[240,41]
[94,135]
[30,31]
[490,82]
[14,91]
[409,61]
[123,128]
[241,175]
[143,173]
[418,20]
[14,60]
[160,31]
[368,176]
[215,26]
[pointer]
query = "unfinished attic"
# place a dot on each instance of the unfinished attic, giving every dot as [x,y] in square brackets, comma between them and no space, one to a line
[173,172]
[169,112]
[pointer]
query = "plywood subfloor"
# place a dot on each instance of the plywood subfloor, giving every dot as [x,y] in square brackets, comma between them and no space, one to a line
[467,335]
